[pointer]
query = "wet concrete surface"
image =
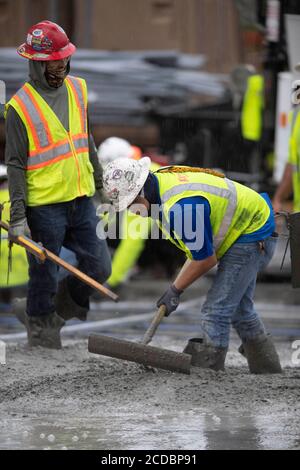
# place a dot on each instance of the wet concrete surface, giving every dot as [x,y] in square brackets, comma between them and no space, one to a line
[75,400]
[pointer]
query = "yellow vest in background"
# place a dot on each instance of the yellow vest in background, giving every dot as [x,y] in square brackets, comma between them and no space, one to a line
[252,110]
[58,168]
[294,155]
[235,209]
[19,274]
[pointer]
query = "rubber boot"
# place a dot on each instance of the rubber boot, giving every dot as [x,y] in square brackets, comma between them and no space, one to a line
[261,355]
[205,355]
[65,306]
[44,331]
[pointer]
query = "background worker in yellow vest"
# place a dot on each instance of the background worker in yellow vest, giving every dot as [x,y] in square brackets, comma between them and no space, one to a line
[129,249]
[252,108]
[290,183]
[53,171]
[19,274]
[213,220]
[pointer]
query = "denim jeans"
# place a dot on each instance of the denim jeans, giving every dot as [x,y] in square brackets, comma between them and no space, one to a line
[73,225]
[230,298]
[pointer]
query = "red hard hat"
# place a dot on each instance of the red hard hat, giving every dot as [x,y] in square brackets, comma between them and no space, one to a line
[46,41]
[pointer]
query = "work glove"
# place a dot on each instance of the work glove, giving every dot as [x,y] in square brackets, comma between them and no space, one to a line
[170,299]
[19,228]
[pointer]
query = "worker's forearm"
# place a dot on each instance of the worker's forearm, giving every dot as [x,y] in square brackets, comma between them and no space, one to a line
[17,192]
[285,188]
[193,270]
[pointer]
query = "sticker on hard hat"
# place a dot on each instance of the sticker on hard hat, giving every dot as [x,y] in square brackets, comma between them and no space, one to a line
[117,174]
[29,39]
[129,176]
[37,33]
[40,55]
[39,44]
[114,194]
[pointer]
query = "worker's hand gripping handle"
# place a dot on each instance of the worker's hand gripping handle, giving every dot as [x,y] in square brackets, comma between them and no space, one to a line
[154,324]
[34,248]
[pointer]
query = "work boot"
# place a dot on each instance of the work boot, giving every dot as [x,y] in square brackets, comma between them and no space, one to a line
[205,355]
[65,306]
[19,308]
[44,331]
[261,355]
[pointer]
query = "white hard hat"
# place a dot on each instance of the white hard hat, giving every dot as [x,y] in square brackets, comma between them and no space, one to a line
[3,171]
[113,148]
[123,179]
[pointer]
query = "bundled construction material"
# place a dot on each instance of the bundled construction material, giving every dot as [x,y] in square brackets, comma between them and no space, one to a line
[129,87]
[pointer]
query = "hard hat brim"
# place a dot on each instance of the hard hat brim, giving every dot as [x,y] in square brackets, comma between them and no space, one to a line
[123,203]
[28,53]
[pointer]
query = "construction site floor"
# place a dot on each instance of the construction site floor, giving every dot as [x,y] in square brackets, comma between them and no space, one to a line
[71,399]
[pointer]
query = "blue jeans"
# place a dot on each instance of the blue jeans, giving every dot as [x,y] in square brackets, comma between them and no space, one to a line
[73,225]
[230,299]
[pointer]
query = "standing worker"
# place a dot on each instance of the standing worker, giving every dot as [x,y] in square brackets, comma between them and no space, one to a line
[290,182]
[214,221]
[129,249]
[19,275]
[53,171]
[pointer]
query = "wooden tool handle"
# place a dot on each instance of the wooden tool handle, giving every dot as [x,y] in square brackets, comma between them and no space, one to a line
[43,254]
[154,324]
[80,275]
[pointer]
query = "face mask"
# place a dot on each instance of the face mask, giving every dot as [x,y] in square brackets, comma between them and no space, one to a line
[56,72]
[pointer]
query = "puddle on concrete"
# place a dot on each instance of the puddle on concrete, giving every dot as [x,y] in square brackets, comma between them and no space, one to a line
[194,429]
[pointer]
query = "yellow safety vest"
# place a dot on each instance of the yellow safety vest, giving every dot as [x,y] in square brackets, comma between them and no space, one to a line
[253,104]
[19,274]
[294,155]
[235,209]
[58,165]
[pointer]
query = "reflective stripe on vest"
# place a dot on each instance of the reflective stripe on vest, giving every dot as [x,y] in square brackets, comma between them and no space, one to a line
[230,194]
[76,86]
[58,152]
[41,134]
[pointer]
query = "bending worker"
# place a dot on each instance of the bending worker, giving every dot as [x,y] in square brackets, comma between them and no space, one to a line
[215,221]
[129,249]
[53,171]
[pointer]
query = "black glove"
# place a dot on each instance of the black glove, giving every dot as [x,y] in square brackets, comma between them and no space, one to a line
[19,228]
[170,299]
